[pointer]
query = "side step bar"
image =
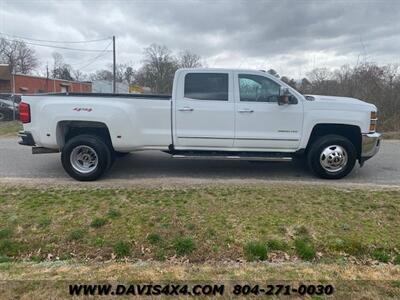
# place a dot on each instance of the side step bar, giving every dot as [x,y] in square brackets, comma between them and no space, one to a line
[233,157]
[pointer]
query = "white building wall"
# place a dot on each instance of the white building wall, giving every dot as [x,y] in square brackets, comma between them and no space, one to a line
[104,86]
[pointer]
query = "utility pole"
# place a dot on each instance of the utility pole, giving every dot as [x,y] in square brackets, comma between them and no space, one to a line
[13,97]
[113,64]
[47,77]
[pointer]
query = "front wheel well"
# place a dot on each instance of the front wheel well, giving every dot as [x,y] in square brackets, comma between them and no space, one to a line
[351,132]
[69,129]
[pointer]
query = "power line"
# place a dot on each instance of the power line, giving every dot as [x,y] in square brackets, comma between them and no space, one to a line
[60,47]
[60,42]
[95,58]
[102,52]
[88,60]
[80,63]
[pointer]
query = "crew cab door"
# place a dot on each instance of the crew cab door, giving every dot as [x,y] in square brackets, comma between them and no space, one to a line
[204,110]
[262,124]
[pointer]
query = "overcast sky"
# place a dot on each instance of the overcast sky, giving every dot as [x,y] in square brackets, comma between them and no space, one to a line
[291,37]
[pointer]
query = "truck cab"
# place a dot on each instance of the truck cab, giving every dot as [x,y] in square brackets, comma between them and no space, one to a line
[235,111]
[211,114]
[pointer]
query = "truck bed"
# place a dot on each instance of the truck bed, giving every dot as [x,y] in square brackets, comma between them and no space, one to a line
[134,121]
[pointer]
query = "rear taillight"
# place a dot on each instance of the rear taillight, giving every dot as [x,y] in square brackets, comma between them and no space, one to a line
[24,112]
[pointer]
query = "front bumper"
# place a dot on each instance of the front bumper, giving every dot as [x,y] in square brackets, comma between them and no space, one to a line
[370,145]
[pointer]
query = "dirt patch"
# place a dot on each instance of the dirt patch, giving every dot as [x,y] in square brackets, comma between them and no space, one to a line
[9,128]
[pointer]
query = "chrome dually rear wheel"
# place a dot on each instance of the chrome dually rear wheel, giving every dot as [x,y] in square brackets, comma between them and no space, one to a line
[84,159]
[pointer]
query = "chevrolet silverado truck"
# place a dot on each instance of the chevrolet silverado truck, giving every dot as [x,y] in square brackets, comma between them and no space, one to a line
[211,114]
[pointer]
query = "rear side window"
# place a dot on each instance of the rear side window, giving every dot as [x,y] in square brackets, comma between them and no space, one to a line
[206,86]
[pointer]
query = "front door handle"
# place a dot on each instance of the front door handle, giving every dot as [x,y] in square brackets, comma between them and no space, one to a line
[246,110]
[186,109]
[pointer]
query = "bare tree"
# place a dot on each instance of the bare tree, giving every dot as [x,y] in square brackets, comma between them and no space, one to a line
[273,73]
[78,75]
[288,81]
[120,72]
[129,74]
[19,57]
[305,86]
[102,75]
[319,74]
[158,69]
[123,72]
[187,59]
[379,85]
[58,60]
[285,79]
[61,70]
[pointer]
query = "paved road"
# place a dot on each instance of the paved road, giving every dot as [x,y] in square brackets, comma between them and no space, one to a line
[17,162]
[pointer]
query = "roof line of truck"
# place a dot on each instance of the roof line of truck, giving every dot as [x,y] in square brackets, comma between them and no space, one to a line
[104,95]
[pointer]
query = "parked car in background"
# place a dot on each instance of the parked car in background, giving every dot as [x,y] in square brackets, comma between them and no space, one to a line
[9,109]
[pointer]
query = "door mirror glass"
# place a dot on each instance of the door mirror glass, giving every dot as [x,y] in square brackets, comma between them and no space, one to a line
[284,91]
[285,97]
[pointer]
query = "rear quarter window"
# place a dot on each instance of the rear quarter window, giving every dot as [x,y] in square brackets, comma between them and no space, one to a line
[206,86]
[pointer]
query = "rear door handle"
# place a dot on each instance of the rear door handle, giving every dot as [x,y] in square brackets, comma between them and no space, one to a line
[246,110]
[186,109]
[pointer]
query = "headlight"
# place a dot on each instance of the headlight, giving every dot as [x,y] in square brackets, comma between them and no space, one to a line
[374,119]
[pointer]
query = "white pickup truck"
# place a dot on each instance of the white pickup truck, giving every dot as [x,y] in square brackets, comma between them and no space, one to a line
[212,114]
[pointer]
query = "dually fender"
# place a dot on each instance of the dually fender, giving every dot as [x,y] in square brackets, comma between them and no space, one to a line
[118,118]
[315,118]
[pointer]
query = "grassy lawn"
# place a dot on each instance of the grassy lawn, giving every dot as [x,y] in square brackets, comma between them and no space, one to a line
[391,135]
[200,224]
[236,233]
[10,128]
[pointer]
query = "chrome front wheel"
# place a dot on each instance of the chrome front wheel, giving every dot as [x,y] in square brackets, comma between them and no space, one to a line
[333,158]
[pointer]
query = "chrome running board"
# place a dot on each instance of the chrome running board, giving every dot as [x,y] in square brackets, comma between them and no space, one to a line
[233,157]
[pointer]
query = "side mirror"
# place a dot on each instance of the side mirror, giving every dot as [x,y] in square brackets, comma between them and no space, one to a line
[285,97]
[284,91]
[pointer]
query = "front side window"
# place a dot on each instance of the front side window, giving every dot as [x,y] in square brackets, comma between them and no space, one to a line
[257,88]
[206,86]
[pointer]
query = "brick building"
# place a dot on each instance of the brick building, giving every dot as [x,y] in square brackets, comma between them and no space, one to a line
[28,84]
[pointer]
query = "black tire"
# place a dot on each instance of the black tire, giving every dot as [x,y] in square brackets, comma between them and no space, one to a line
[315,155]
[112,158]
[101,149]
